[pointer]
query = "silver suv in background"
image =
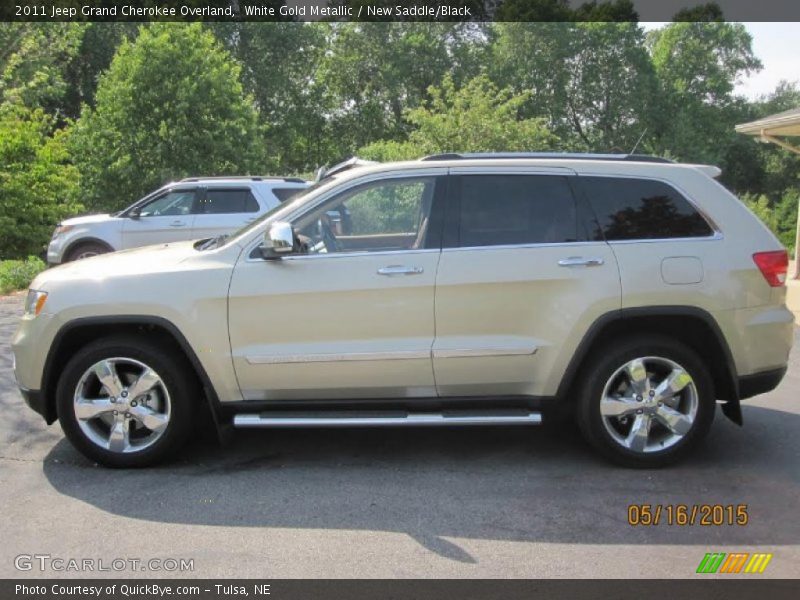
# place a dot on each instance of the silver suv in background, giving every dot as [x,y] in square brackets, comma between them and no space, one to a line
[194,208]
[632,293]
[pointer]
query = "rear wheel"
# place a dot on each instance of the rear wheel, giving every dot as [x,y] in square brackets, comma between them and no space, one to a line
[86,250]
[123,402]
[646,401]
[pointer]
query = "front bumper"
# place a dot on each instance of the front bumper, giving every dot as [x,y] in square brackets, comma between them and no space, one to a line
[55,251]
[36,401]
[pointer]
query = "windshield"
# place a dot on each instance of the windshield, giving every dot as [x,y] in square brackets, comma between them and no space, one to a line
[281,209]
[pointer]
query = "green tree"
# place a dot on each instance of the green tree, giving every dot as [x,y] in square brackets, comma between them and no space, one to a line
[593,82]
[279,69]
[562,11]
[698,65]
[702,12]
[170,105]
[37,183]
[373,72]
[477,117]
[33,63]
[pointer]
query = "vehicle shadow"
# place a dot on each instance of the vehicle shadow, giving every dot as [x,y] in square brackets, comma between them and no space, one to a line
[515,484]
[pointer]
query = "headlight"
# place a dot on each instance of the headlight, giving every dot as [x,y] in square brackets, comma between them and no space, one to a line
[62,229]
[34,303]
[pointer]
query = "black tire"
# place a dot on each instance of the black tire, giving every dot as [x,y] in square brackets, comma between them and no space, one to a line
[176,376]
[599,371]
[86,249]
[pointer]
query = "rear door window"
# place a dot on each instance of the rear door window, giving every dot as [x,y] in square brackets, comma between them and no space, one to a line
[228,201]
[498,210]
[636,209]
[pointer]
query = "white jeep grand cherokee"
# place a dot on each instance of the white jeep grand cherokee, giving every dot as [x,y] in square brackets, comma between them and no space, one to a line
[628,291]
[193,208]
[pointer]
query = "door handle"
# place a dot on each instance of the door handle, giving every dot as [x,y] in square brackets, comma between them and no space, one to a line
[178,224]
[579,261]
[392,270]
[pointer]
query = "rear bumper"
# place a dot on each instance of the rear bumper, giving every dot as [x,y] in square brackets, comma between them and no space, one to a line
[760,383]
[36,401]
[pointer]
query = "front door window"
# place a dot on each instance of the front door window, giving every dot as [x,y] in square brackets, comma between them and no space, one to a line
[384,216]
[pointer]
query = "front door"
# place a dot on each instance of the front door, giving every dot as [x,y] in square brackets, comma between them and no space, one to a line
[166,218]
[352,316]
[518,281]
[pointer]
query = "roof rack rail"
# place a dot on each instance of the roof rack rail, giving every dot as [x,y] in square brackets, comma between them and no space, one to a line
[247,178]
[324,172]
[547,155]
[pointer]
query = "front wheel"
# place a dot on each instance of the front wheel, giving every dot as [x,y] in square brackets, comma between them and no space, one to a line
[646,401]
[124,402]
[86,250]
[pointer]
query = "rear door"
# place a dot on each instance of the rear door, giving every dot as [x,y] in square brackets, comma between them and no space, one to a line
[518,281]
[223,210]
[166,218]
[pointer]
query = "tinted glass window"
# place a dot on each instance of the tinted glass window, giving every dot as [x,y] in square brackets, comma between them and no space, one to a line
[283,194]
[629,209]
[174,203]
[516,209]
[380,216]
[229,201]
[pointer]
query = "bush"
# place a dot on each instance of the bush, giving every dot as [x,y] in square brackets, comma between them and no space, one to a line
[38,184]
[18,274]
[780,216]
[170,105]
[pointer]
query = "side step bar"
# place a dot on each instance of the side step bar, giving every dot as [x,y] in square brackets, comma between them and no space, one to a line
[390,419]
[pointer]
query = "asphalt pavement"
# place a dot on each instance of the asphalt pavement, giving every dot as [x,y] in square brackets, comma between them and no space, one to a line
[473,502]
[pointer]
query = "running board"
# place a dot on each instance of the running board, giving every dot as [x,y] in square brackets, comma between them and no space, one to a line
[387,419]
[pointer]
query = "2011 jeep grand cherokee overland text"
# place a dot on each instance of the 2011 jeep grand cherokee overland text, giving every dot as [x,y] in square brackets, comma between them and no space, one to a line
[629,291]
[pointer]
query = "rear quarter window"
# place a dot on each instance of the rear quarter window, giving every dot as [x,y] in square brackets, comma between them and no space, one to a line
[637,209]
[284,194]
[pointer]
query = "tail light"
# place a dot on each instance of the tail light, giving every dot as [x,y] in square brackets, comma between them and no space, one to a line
[773,266]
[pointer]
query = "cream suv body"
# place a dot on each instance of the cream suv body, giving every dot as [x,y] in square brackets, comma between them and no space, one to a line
[631,292]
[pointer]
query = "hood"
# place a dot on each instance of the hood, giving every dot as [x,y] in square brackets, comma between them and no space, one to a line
[87,219]
[137,261]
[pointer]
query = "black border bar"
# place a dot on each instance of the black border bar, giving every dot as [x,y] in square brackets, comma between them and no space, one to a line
[706,587]
[385,10]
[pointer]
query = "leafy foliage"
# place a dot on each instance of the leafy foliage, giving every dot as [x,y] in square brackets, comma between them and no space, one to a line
[478,117]
[37,184]
[593,82]
[170,105]
[779,216]
[18,274]
[373,72]
[168,100]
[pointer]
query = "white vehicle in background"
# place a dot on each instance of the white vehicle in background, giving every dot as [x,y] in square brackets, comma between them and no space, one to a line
[193,208]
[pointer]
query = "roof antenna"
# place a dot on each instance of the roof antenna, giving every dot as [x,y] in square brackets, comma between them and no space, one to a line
[636,145]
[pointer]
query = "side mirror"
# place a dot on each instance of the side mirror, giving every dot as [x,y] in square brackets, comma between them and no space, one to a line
[135,213]
[278,240]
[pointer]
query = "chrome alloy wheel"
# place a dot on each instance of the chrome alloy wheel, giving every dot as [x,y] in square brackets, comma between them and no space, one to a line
[649,404]
[87,254]
[122,405]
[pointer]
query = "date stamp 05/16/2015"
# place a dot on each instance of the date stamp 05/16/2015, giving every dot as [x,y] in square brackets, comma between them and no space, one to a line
[687,515]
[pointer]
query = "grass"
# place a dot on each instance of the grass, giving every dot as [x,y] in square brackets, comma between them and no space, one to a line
[18,274]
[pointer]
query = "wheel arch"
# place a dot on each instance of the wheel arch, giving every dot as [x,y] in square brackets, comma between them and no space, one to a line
[691,325]
[77,333]
[85,240]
